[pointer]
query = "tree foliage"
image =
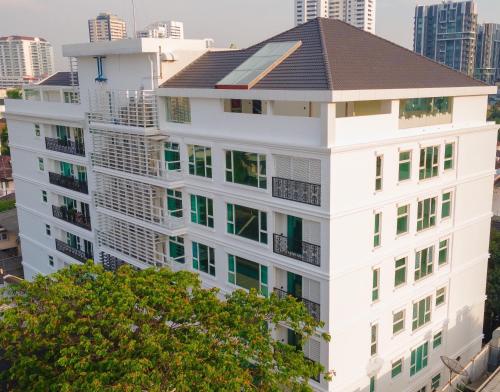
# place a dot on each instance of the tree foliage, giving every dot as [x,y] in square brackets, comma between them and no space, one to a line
[14,93]
[84,329]
[493,285]
[4,142]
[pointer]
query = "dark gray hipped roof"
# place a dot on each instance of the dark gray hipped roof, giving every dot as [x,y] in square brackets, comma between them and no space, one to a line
[60,79]
[334,56]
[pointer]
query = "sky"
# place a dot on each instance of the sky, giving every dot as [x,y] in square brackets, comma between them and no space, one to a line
[227,21]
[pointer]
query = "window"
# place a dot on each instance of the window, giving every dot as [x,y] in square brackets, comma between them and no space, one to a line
[178,110]
[51,261]
[41,165]
[82,173]
[172,156]
[176,249]
[437,339]
[400,271]
[421,107]
[436,381]
[421,312]
[397,368]
[424,262]
[247,274]
[44,196]
[398,322]
[446,205]
[449,150]
[375,284]
[426,214]
[246,168]
[441,296]
[47,230]
[247,106]
[443,251]
[174,203]
[247,222]
[202,210]
[378,172]
[37,129]
[418,359]
[374,338]
[203,258]
[377,230]
[402,222]
[404,165]
[429,162]
[200,161]
[3,236]
[372,384]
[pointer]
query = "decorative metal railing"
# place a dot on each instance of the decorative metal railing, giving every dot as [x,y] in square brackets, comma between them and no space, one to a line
[312,307]
[298,250]
[77,254]
[72,216]
[65,146]
[68,182]
[299,191]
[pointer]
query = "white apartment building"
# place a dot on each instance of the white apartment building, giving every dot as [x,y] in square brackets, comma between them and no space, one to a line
[359,13]
[24,59]
[107,27]
[167,29]
[363,191]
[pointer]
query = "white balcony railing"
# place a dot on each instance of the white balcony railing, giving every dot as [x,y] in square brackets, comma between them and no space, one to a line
[131,108]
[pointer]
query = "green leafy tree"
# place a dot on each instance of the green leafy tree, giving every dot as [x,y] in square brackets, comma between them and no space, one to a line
[84,329]
[4,142]
[493,284]
[14,93]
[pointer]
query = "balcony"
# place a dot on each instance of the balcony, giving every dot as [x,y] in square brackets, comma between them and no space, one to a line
[65,146]
[130,108]
[299,191]
[312,307]
[77,254]
[72,216]
[68,182]
[298,250]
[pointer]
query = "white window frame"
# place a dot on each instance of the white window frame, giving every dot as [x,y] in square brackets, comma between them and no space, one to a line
[441,292]
[398,321]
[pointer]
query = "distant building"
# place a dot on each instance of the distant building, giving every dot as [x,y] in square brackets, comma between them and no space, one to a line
[24,60]
[167,29]
[488,53]
[107,27]
[446,33]
[359,13]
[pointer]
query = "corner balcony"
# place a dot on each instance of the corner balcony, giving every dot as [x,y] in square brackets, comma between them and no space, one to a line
[312,307]
[65,146]
[77,254]
[299,191]
[124,108]
[72,216]
[298,250]
[68,182]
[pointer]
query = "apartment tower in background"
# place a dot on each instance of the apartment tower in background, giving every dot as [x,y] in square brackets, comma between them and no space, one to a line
[446,33]
[107,27]
[359,13]
[488,53]
[24,60]
[167,29]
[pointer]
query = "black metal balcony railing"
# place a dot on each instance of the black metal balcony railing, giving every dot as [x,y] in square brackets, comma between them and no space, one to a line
[77,254]
[68,182]
[299,191]
[65,146]
[298,250]
[71,216]
[312,307]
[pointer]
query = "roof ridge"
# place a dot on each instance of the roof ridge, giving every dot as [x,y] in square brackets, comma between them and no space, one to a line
[328,68]
[406,49]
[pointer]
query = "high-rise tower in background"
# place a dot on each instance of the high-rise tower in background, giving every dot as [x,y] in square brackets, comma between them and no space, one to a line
[107,27]
[359,13]
[488,53]
[24,59]
[167,29]
[446,33]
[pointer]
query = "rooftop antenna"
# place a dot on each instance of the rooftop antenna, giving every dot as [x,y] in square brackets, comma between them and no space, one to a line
[454,366]
[133,17]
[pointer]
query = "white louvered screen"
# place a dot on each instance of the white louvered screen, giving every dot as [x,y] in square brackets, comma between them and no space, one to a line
[298,169]
[311,232]
[312,350]
[310,290]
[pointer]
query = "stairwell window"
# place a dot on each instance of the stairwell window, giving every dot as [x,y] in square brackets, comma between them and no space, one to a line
[424,263]
[203,258]
[176,249]
[443,251]
[426,214]
[247,222]
[178,110]
[375,284]
[44,196]
[436,382]
[202,210]
[418,358]
[377,232]
[41,165]
[429,162]
[374,340]
[403,220]
[172,156]
[449,154]
[446,205]
[421,312]
[379,172]
[246,168]
[247,274]
[398,322]
[437,340]
[440,296]
[200,161]
[404,165]
[37,129]
[400,272]
[397,368]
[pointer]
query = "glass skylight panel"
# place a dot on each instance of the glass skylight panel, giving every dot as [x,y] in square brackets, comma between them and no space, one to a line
[258,65]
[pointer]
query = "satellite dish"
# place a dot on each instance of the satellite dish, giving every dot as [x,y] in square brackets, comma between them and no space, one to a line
[454,366]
